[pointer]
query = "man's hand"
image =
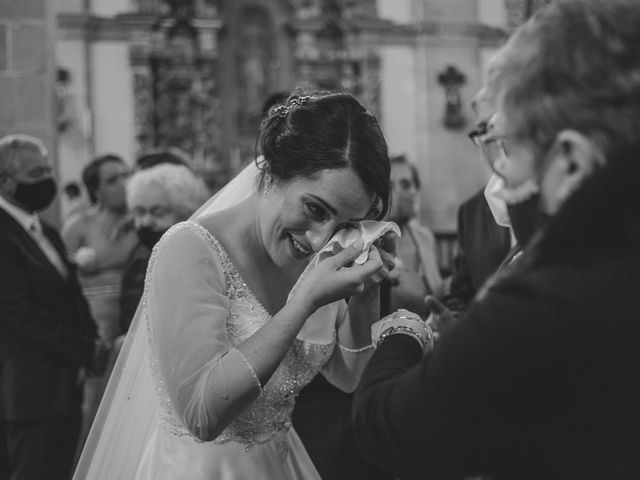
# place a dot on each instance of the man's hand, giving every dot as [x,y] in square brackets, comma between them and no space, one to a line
[441,318]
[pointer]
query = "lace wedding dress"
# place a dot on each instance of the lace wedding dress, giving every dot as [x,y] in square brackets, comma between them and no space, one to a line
[180,364]
[259,443]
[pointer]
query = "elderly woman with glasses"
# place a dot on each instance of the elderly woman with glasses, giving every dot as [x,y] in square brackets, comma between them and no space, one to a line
[540,378]
[158,197]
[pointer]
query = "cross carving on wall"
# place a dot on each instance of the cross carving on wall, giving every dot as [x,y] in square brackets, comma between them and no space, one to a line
[451,80]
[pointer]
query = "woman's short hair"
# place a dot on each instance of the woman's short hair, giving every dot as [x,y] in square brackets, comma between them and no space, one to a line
[184,191]
[318,131]
[11,146]
[174,155]
[574,65]
[91,173]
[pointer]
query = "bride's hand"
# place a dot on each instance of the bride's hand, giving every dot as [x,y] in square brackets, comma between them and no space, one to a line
[337,277]
[385,248]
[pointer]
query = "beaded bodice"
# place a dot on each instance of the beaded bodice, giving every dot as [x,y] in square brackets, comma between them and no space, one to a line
[270,413]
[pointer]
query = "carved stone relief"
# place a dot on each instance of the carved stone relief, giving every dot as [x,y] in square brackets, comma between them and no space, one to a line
[174,65]
[329,50]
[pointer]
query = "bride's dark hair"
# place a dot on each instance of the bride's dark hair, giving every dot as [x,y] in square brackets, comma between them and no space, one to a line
[311,132]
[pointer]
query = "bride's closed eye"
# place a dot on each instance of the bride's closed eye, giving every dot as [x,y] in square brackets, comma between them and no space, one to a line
[315,211]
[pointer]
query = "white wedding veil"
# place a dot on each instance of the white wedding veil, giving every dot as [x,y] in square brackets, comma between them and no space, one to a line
[127,413]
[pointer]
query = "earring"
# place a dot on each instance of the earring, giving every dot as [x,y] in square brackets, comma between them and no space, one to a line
[268,183]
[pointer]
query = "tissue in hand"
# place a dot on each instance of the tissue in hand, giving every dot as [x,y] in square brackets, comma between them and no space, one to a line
[368,230]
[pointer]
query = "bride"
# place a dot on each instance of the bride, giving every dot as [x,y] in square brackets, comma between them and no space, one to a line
[232,326]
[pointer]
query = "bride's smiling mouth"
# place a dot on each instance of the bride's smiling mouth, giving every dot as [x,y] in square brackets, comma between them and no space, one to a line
[300,250]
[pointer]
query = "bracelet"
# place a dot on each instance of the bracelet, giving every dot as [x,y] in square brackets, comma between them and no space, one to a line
[355,350]
[250,368]
[402,322]
[405,330]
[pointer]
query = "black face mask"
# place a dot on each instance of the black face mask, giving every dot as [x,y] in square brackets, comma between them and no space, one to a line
[526,218]
[148,236]
[36,196]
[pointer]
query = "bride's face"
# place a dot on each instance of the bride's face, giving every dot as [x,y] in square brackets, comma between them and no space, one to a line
[298,217]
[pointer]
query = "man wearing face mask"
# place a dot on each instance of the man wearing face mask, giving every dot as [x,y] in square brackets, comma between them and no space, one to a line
[485,240]
[47,333]
[540,378]
[158,197]
[518,208]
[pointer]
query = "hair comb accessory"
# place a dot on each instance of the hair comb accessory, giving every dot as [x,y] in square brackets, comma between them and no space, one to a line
[283,110]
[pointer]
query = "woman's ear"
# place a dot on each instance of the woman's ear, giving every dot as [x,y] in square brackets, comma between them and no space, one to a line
[574,159]
[7,185]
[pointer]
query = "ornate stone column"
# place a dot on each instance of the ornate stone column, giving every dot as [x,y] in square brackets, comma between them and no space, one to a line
[174,60]
[335,46]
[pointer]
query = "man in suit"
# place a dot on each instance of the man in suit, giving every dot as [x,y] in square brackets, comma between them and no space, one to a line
[483,246]
[47,334]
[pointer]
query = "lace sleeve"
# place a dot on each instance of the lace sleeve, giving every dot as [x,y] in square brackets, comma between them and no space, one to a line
[208,382]
[345,367]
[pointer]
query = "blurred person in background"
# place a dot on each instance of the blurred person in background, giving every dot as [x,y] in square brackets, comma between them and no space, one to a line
[100,240]
[417,273]
[47,333]
[540,378]
[158,197]
[482,247]
[485,237]
[73,201]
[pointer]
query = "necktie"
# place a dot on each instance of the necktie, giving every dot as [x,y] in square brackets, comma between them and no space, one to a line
[35,229]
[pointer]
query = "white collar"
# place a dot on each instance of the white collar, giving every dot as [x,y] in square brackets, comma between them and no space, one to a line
[21,216]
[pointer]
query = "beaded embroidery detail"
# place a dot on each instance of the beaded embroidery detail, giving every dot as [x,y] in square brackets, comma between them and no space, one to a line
[269,417]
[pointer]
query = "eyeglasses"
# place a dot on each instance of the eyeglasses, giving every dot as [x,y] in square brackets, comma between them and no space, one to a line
[493,147]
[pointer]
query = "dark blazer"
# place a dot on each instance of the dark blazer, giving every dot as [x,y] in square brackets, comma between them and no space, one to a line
[540,378]
[482,247]
[46,329]
[133,284]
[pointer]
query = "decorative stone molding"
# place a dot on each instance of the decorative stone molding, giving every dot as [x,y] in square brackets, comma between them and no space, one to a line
[174,61]
[334,46]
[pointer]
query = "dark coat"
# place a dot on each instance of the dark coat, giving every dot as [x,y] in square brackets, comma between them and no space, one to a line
[46,330]
[133,284]
[541,378]
[482,247]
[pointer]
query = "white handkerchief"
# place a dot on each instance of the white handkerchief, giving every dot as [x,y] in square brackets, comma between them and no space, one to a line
[317,329]
[368,230]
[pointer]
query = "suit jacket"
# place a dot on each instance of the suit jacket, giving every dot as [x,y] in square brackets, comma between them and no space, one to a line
[483,246]
[46,329]
[426,246]
[133,284]
[410,290]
